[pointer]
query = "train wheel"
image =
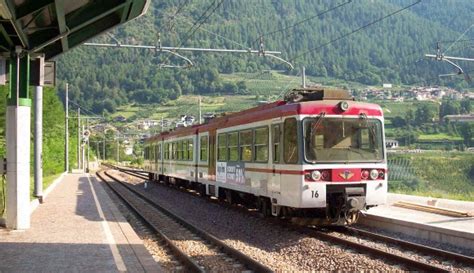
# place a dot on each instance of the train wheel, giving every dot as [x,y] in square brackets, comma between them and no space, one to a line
[264,206]
[202,190]
[228,196]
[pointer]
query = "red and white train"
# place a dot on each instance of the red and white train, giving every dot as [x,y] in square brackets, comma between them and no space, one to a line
[318,155]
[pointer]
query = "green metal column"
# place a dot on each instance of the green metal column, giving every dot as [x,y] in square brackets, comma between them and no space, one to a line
[24,96]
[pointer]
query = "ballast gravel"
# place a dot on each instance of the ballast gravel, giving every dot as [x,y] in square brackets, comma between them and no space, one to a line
[202,253]
[279,248]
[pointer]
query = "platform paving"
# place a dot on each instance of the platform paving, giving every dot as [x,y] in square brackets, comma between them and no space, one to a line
[465,224]
[76,229]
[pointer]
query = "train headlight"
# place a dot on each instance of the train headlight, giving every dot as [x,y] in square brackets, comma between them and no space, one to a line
[374,174]
[315,175]
[365,174]
[343,105]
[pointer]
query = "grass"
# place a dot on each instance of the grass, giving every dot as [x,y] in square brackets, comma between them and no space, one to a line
[393,109]
[436,174]
[188,105]
[439,137]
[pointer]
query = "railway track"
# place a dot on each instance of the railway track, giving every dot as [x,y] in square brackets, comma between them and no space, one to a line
[413,246]
[354,243]
[197,250]
[355,238]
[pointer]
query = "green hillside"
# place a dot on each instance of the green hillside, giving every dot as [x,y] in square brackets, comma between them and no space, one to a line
[388,51]
[442,175]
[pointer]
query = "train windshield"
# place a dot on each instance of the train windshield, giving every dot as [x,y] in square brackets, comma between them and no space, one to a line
[343,139]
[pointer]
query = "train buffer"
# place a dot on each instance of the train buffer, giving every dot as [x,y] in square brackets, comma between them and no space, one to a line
[78,228]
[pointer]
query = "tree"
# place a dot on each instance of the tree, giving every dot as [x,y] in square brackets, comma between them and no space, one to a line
[466,132]
[398,121]
[423,114]
[465,106]
[410,117]
[448,107]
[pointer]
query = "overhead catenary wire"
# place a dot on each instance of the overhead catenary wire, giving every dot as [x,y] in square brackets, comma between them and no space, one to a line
[197,24]
[347,34]
[216,34]
[271,33]
[459,38]
[436,78]
[85,109]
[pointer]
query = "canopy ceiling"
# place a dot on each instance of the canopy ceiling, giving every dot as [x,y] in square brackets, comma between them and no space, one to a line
[52,27]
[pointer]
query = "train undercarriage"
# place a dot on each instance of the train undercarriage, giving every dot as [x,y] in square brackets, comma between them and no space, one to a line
[344,202]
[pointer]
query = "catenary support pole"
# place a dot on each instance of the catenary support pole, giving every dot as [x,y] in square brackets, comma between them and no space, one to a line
[38,155]
[200,113]
[303,77]
[118,151]
[38,69]
[83,150]
[66,129]
[18,119]
[79,138]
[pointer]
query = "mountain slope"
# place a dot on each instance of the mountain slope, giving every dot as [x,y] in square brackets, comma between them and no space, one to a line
[389,51]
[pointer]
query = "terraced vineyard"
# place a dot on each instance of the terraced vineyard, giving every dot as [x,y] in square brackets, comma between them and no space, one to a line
[436,174]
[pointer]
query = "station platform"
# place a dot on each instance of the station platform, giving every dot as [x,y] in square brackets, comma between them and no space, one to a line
[77,229]
[454,231]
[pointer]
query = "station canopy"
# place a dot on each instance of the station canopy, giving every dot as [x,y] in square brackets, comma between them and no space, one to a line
[51,27]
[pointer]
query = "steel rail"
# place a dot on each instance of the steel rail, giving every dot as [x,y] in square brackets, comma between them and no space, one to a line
[244,259]
[190,264]
[378,253]
[422,248]
[410,263]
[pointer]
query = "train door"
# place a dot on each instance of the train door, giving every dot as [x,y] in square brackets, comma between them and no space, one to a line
[276,147]
[195,156]
[162,161]
[153,157]
[212,155]
[158,158]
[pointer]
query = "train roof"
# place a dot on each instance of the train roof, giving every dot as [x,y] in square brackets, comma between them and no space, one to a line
[278,109]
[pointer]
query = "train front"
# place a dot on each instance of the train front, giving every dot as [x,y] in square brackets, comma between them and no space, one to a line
[345,166]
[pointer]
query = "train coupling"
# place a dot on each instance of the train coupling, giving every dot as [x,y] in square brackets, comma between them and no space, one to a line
[355,199]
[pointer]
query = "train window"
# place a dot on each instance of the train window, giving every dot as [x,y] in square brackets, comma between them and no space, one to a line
[184,149]
[290,141]
[233,146]
[261,144]
[158,151]
[203,148]
[245,141]
[276,140]
[343,140]
[190,149]
[179,150]
[365,139]
[173,150]
[222,147]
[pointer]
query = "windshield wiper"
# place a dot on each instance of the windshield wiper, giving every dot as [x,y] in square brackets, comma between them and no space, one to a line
[371,128]
[317,124]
